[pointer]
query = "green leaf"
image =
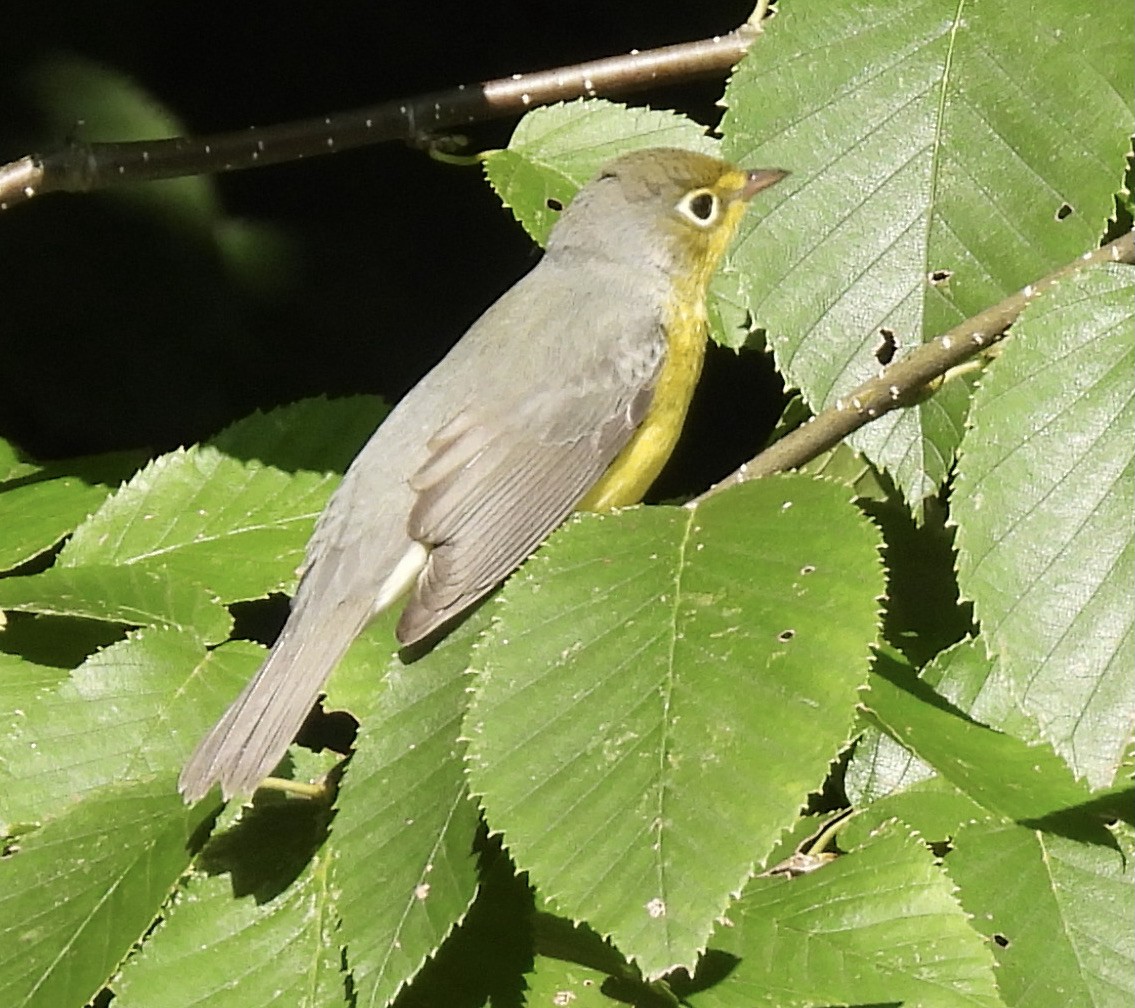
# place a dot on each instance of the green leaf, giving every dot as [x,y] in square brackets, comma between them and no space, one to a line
[556,982]
[933,808]
[573,960]
[880,766]
[49,503]
[224,515]
[13,464]
[241,953]
[132,596]
[77,894]
[21,682]
[59,642]
[933,146]
[645,665]
[556,149]
[1025,783]
[1043,504]
[319,435]
[1057,912]
[877,926]
[120,717]
[404,829]
[484,959]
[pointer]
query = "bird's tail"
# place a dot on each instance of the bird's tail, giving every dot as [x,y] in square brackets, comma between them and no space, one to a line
[254,733]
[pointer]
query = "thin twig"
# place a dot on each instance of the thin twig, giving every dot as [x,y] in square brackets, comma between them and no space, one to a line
[82,167]
[904,382]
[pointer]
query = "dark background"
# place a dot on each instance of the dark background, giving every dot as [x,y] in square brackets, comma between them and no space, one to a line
[123,328]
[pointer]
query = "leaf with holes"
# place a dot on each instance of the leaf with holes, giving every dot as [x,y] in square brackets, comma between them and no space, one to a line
[660,690]
[934,147]
[1057,912]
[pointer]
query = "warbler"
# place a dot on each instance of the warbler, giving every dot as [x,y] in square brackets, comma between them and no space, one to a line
[568,393]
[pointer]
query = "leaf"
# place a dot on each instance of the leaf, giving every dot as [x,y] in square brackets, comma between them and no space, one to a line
[119,717]
[132,596]
[484,959]
[877,926]
[21,682]
[556,982]
[556,149]
[1043,504]
[933,146]
[404,829]
[880,766]
[237,527]
[13,464]
[78,893]
[645,665]
[1022,782]
[38,513]
[217,951]
[932,808]
[319,435]
[1058,913]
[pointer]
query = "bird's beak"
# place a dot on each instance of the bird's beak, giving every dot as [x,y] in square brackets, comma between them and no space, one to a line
[757,179]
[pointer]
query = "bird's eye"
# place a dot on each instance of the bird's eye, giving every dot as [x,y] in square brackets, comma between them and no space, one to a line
[701,207]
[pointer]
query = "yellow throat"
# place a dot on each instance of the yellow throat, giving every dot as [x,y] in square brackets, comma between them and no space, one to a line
[636,467]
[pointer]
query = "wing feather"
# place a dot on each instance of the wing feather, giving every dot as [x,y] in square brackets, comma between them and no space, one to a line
[498,480]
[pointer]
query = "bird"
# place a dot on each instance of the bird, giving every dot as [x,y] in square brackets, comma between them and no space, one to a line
[567,394]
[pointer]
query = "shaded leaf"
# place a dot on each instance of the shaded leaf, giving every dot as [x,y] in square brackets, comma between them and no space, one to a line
[13,464]
[47,505]
[405,826]
[1022,782]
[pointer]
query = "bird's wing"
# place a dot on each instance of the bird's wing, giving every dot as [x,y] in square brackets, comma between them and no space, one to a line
[501,476]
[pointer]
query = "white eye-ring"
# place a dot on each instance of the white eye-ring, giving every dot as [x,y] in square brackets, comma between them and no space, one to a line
[701,207]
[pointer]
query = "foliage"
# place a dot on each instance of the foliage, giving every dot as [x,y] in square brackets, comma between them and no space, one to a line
[578,795]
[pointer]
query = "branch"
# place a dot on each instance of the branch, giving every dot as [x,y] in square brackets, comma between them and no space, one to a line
[904,382]
[82,167]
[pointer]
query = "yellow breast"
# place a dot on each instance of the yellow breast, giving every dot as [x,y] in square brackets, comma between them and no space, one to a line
[640,462]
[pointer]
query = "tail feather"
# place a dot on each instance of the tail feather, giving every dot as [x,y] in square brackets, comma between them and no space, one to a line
[254,733]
